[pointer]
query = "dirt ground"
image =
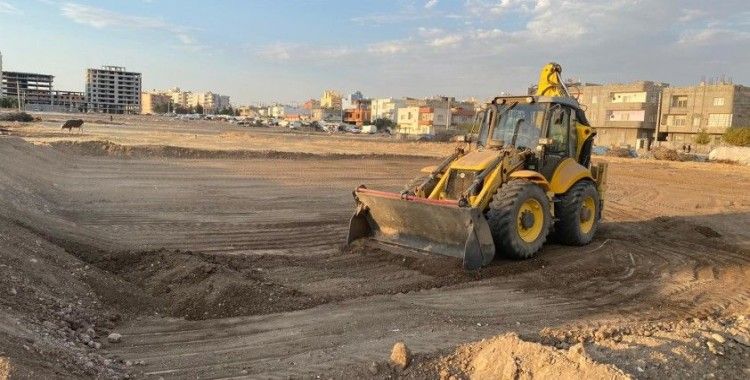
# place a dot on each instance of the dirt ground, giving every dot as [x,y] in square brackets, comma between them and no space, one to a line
[225,258]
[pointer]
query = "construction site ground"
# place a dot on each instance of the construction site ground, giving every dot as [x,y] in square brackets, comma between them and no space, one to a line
[217,251]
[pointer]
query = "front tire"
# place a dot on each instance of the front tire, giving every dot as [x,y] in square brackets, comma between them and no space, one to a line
[578,213]
[519,219]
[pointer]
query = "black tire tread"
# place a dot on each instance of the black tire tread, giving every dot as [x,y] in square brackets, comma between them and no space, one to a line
[566,229]
[501,218]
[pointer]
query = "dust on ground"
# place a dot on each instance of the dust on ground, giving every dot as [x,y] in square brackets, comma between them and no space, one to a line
[199,262]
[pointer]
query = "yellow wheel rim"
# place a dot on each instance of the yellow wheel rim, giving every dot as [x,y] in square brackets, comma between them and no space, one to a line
[530,220]
[588,214]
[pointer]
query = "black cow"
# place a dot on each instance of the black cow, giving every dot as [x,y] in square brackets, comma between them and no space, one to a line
[70,124]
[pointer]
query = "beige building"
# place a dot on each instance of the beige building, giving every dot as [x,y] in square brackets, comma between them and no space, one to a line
[623,114]
[330,99]
[712,108]
[155,102]
[385,108]
[423,120]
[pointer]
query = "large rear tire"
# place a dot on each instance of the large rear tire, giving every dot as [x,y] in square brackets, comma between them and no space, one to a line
[578,214]
[519,219]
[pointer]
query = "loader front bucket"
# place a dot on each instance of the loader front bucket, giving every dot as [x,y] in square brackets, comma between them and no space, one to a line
[435,226]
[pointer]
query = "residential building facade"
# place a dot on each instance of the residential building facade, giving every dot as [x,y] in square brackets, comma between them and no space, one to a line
[349,100]
[330,99]
[386,108]
[359,113]
[423,120]
[623,114]
[113,89]
[710,108]
[155,102]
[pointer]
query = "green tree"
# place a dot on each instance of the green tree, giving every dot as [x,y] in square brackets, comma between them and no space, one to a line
[739,136]
[8,102]
[161,108]
[199,109]
[227,111]
[702,137]
[383,124]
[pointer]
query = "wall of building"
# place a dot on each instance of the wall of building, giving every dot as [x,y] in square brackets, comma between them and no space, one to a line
[622,113]
[710,108]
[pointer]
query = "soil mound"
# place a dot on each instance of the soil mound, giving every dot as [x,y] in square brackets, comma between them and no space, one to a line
[194,286]
[509,357]
[666,154]
[110,149]
[619,152]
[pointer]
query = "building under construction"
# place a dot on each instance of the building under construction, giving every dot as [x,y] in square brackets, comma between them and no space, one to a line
[112,89]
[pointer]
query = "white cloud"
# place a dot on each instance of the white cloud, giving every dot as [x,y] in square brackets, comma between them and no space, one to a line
[388,47]
[8,8]
[102,19]
[449,40]
[489,8]
[430,3]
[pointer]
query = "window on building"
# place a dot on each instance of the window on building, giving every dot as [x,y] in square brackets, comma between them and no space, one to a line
[676,120]
[679,101]
[594,99]
[718,101]
[696,121]
[719,119]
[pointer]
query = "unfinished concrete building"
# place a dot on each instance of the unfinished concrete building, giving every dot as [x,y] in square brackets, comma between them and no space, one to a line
[28,88]
[623,114]
[112,89]
[709,108]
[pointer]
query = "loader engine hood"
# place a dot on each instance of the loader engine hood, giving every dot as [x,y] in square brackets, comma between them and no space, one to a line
[476,160]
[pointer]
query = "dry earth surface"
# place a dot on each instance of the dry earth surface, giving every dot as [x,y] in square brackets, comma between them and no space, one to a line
[216,252]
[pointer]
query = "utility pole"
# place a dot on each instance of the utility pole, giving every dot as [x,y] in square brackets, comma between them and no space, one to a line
[18,95]
[658,119]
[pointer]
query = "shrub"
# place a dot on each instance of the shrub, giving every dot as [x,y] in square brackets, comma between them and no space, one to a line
[738,136]
[16,116]
[702,137]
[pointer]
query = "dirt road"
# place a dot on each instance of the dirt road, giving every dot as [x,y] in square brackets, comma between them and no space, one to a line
[235,267]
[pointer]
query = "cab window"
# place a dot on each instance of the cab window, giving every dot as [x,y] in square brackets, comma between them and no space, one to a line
[559,130]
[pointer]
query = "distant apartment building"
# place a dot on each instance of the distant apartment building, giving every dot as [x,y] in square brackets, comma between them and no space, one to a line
[423,120]
[113,89]
[330,99]
[35,92]
[155,102]
[211,102]
[711,108]
[359,113]
[28,88]
[349,100]
[623,114]
[386,108]
[179,97]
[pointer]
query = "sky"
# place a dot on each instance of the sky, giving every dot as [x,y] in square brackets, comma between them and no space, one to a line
[289,51]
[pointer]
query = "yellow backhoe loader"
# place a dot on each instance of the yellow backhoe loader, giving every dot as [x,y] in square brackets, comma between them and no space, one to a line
[527,174]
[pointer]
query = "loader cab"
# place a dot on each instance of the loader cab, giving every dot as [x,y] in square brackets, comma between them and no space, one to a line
[554,127]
